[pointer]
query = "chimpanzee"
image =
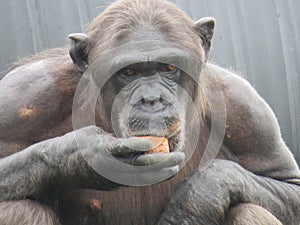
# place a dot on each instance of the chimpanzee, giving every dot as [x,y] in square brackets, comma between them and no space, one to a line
[71,128]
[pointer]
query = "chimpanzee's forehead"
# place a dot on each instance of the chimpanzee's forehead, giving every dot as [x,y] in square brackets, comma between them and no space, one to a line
[146,51]
[150,52]
[146,32]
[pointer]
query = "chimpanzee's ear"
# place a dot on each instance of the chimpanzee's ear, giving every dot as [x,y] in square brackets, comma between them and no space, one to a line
[77,51]
[205,29]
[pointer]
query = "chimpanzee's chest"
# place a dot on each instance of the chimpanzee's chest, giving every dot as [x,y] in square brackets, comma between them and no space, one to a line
[125,206]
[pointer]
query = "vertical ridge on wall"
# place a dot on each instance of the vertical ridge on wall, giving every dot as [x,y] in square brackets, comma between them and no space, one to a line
[38,25]
[85,12]
[290,39]
[238,40]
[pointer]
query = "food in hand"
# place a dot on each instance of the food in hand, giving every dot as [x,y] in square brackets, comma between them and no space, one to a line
[160,144]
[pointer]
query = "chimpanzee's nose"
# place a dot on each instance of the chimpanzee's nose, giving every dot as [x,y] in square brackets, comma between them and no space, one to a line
[151,99]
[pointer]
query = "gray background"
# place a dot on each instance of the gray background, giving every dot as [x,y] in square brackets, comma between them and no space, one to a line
[257,38]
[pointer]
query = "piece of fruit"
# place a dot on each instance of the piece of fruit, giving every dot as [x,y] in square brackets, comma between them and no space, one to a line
[160,144]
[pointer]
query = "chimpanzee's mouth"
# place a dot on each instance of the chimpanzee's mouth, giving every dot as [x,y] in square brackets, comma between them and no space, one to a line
[166,125]
[172,137]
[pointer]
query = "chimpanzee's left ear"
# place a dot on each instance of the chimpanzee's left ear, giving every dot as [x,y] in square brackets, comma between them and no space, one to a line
[205,29]
[78,52]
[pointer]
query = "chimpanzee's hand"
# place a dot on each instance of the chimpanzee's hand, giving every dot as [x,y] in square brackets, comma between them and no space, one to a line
[87,155]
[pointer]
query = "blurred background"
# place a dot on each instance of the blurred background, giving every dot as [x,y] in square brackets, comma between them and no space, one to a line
[257,39]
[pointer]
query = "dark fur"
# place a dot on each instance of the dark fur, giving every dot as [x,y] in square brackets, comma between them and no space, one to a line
[124,17]
[255,166]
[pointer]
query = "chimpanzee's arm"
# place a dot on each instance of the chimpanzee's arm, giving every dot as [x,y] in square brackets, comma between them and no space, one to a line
[54,162]
[207,197]
[59,163]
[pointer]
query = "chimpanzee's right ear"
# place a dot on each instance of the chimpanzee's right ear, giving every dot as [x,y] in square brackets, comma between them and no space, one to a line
[77,51]
[205,29]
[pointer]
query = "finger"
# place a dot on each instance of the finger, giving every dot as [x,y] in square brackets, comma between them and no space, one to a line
[165,159]
[127,159]
[132,145]
[169,172]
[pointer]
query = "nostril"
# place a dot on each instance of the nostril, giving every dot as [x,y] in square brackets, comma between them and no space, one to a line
[151,99]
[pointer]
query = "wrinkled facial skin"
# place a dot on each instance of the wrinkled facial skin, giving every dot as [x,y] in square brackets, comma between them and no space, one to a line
[151,90]
[150,99]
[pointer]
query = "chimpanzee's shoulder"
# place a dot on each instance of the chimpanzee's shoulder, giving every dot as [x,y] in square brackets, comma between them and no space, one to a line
[227,79]
[36,96]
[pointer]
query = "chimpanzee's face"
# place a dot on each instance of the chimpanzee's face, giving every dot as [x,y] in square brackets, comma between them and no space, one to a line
[150,103]
[150,95]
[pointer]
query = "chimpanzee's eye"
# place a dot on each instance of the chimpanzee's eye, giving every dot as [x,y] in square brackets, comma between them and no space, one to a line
[129,72]
[168,68]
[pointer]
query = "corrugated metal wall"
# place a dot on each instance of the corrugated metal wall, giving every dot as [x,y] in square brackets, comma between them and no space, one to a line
[259,39]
